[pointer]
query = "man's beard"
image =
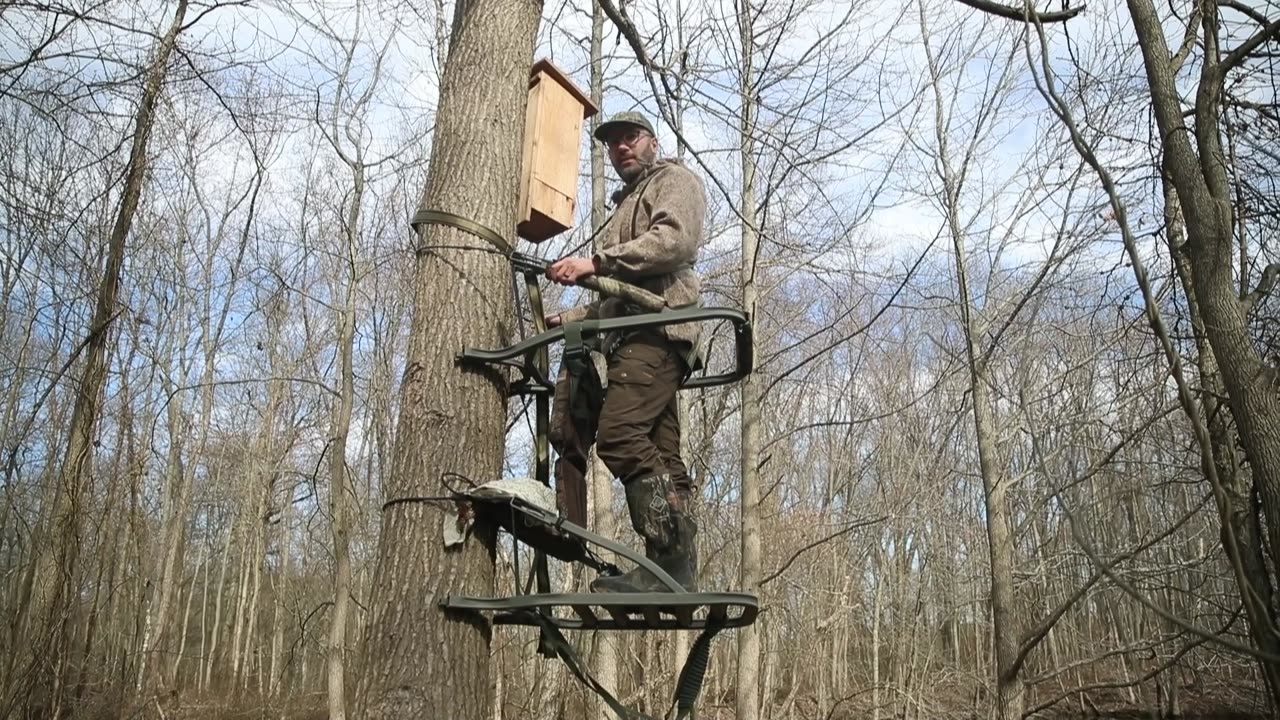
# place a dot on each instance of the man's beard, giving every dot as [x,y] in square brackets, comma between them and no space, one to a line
[642,163]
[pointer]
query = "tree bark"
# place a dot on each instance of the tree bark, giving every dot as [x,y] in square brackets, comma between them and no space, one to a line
[419,659]
[1241,534]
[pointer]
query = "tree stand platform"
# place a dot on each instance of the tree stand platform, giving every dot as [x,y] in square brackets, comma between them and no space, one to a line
[508,505]
[524,509]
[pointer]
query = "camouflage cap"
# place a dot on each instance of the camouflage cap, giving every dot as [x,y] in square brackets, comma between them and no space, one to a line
[623,118]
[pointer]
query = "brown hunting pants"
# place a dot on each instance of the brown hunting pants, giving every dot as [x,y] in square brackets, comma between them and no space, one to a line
[637,431]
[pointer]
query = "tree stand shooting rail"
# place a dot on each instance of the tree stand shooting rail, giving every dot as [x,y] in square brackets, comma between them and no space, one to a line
[549,533]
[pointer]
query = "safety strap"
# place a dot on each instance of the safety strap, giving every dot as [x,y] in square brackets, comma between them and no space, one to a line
[576,353]
[605,285]
[688,687]
[585,393]
[694,671]
[440,217]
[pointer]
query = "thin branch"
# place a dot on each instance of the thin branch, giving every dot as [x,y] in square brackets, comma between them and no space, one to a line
[1188,40]
[1240,7]
[1263,288]
[1032,639]
[820,541]
[1239,54]
[1171,662]
[857,331]
[1020,15]
[1214,637]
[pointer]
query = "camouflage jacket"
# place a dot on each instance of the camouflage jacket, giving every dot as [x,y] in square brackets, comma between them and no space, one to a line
[652,241]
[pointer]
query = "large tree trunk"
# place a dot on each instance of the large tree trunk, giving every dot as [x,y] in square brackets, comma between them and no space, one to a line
[420,660]
[41,671]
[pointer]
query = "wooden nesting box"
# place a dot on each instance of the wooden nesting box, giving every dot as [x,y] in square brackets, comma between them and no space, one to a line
[552,150]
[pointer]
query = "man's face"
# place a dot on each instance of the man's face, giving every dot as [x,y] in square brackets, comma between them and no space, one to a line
[631,150]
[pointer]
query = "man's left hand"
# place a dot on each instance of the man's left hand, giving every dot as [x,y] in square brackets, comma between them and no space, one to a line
[571,270]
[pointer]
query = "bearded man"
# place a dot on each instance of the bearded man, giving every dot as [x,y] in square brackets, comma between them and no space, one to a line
[651,241]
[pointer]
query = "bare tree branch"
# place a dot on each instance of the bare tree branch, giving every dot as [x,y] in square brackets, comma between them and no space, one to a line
[1021,15]
[820,541]
[1240,53]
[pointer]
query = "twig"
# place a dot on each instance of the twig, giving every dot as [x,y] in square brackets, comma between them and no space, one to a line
[796,555]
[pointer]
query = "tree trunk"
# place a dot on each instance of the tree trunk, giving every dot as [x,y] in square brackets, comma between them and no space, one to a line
[1241,533]
[748,690]
[877,612]
[604,658]
[90,669]
[452,418]
[995,485]
[202,658]
[250,658]
[1010,691]
[186,620]
[154,638]
[247,553]
[45,618]
[1199,176]
[338,485]
[279,593]
[216,629]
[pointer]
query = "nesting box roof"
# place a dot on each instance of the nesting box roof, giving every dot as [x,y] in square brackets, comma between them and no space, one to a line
[546,66]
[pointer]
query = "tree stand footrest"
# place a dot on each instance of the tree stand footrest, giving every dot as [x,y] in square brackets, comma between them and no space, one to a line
[617,611]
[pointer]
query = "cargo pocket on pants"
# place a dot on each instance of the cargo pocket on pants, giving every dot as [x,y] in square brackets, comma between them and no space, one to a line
[636,365]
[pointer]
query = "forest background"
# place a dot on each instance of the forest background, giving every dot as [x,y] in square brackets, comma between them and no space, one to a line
[1012,443]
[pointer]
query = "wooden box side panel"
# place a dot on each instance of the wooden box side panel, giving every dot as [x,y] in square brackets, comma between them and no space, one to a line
[552,152]
[559,146]
[527,158]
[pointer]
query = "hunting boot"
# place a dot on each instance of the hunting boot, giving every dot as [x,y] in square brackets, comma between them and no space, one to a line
[660,514]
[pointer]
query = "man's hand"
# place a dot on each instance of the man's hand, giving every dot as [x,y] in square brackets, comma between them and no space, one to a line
[570,270]
[554,320]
